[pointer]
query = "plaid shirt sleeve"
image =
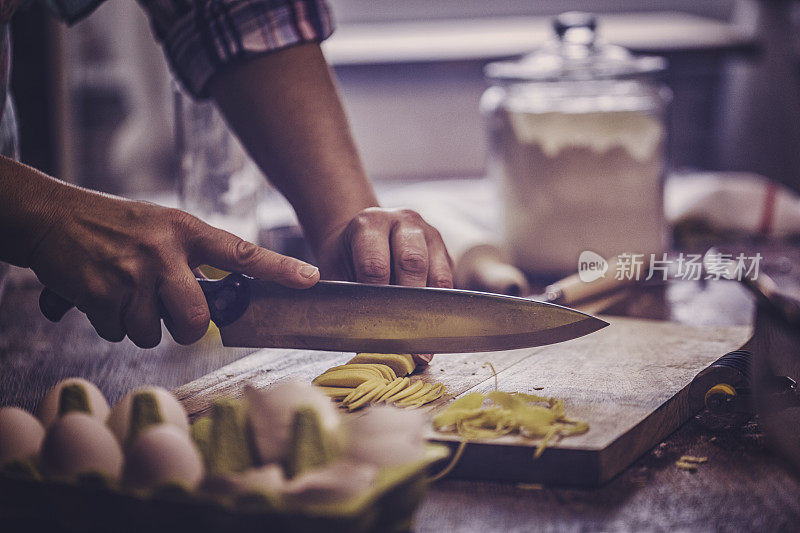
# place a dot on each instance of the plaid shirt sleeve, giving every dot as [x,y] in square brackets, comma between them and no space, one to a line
[201,36]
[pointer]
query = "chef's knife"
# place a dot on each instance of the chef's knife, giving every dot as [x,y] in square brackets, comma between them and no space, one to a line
[355,317]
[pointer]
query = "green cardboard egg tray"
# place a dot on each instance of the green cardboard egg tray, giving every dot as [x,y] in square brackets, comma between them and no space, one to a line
[29,504]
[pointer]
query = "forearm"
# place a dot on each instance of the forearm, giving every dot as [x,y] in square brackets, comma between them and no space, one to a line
[30,203]
[285,108]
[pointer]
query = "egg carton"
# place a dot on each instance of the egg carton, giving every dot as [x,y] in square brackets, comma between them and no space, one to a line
[29,504]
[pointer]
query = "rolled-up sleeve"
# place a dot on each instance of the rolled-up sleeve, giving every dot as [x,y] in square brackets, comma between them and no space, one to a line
[201,36]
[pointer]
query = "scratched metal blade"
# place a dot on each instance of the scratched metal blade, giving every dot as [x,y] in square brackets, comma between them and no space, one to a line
[353,317]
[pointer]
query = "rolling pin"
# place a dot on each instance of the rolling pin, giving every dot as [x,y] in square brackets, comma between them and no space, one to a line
[482,268]
[572,290]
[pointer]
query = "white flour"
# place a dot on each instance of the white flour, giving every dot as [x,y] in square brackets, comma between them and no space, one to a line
[579,181]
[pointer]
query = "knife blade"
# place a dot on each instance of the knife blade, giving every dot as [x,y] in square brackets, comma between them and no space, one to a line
[355,317]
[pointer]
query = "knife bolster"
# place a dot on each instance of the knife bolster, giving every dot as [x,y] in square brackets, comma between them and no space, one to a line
[228,298]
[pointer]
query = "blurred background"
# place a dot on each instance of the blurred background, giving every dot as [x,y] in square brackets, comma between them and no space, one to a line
[107,118]
[97,105]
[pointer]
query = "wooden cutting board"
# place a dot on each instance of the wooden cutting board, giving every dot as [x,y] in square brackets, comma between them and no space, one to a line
[629,381]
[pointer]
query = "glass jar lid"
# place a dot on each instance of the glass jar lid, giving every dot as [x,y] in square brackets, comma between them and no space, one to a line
[575,54]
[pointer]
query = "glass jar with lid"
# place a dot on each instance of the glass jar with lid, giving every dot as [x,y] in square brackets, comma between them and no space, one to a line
[577,141]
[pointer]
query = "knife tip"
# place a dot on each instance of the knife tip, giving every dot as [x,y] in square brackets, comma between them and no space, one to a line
[599,322]
[592,324]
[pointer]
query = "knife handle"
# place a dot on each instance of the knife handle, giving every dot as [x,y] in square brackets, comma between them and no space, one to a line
[227,300]
[53,306]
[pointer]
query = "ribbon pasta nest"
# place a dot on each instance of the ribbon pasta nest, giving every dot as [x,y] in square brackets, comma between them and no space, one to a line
[498,413]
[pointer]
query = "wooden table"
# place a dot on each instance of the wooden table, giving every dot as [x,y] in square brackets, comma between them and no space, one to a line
[744,486]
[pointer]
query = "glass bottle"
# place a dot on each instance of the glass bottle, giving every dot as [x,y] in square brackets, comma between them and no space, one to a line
[219,182]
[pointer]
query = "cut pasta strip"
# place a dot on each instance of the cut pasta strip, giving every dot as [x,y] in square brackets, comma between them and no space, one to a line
[360,402]
[421,393]
[402,364]
[337,393]
[397,386]
[359,383]
[405,393]
[383,370]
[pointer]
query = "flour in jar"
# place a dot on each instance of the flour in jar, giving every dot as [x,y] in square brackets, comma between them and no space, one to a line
[578,181]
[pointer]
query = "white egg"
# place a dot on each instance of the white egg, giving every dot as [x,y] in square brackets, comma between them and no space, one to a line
[170,410]
[49,407]
[270,413]
[267,479]
[335,482]
[385,451]
[385,436]
[161,455]
[385,420]
[78,444]
[21,435]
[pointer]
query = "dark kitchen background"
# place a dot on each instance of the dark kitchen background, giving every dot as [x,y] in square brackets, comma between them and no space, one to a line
[96,106]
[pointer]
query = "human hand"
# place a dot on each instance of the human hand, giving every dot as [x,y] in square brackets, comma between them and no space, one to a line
[121,261]
[383,246]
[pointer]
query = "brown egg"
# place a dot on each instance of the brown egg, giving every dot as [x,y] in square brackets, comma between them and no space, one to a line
[78,444]
[162,455]
[21,435]
[168,410]
[49,408]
